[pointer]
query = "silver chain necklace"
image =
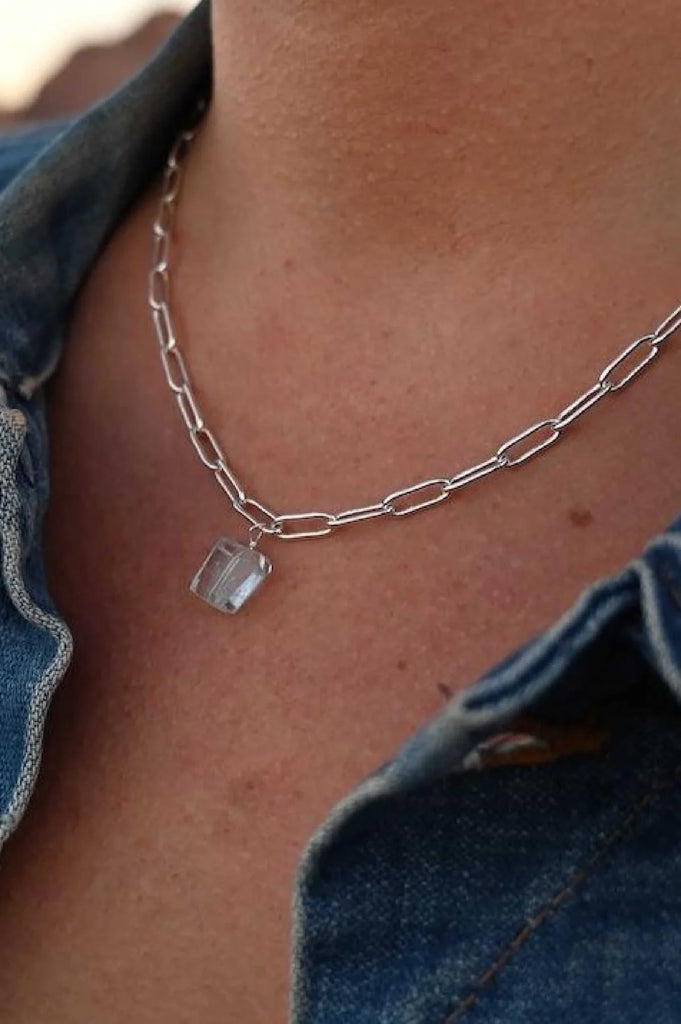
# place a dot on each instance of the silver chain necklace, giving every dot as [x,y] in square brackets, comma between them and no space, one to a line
[233,570]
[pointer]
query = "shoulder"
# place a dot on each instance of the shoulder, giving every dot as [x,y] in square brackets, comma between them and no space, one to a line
[21,144]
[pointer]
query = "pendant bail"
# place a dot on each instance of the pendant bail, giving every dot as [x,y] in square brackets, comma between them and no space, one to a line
[253,542]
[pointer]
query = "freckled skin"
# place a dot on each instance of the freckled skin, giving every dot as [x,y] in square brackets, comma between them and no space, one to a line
[404,126]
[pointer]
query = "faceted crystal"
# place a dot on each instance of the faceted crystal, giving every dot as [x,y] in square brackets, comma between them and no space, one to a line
[230,574]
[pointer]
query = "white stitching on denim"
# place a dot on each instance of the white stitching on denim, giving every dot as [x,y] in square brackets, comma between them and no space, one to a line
[10,550]
[658,633]
[619,832]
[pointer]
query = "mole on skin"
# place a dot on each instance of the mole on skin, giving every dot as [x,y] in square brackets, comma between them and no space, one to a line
[580,517]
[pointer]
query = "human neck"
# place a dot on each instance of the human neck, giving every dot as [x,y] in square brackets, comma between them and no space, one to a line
[399,226]
[429,130]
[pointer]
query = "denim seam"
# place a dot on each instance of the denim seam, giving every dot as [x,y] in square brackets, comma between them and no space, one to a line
[10,570]
[568,637]
[625,826]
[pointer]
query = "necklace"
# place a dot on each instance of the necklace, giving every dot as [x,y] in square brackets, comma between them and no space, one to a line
[233,570]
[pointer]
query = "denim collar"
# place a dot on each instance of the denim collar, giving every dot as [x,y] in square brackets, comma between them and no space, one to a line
[57,214]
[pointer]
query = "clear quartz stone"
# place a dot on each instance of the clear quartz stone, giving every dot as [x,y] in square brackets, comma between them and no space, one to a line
[231,573]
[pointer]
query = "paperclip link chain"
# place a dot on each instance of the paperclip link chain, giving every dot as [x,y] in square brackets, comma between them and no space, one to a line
[627,365]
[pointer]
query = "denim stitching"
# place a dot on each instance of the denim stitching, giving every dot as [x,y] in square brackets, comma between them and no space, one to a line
[556,902]
[594,609]
[11,555]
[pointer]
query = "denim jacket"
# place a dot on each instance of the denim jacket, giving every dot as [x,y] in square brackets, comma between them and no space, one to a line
[477,874]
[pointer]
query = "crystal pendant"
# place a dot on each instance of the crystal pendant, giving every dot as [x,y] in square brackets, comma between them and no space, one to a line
[231,573]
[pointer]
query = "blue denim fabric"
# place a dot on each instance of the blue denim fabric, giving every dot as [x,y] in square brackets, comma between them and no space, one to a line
[442,887]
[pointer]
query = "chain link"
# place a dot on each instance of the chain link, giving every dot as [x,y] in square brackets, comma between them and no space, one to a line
[630,362]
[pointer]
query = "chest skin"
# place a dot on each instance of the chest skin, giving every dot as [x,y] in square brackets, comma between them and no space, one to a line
[190,755]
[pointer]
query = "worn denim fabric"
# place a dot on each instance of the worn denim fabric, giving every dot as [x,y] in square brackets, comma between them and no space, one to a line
[448,885]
